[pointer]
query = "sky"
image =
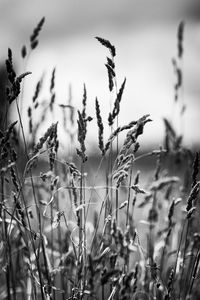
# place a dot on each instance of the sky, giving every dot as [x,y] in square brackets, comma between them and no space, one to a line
[144,34]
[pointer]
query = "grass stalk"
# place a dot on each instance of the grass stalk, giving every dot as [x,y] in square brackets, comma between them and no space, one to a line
[34,196]
[129,192]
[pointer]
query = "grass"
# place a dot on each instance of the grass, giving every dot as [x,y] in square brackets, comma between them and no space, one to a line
[66,234]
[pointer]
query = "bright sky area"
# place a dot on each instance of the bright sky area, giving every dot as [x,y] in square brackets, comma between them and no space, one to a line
[144,33]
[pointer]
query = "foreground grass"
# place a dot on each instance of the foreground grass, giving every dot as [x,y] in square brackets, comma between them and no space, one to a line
[66,234]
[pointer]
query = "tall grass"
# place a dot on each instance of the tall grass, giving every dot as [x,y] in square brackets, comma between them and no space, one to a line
[63,237]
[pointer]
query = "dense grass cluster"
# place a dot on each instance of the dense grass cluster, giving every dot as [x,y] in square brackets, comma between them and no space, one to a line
[69,231]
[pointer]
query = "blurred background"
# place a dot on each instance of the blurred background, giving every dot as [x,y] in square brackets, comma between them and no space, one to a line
[144,33]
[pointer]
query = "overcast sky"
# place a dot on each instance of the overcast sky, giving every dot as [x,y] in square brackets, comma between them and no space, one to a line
[144,33]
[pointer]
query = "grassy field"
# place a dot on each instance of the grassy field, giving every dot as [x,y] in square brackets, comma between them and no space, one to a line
[118,224]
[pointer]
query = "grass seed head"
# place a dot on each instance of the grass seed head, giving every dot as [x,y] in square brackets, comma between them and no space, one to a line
[100,127]
[111,75]
[52,84]
[23,51]
[180,36]
[37,90]
[116,108]
[193,194]
[195,169]
[34,36]
[108,45]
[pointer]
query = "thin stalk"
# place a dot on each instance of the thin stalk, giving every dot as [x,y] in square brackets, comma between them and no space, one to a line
[110,165]
[117,192]
[117,206]
[5,238]
[96,229]
[182,103]
[190,268]
[102,292]
[34,196]
[183,259]
[129,193]
[115,288]
[52,235]
[178,251]
[84,232]
[5,121]
[80,247]
[25,63]
[164,250]
[48,277]
[10,266]
[110,170]
[8,246]
[52,254]
[194,271]
[81,214]
[60,241]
